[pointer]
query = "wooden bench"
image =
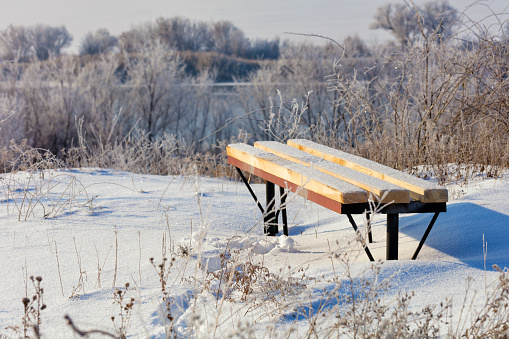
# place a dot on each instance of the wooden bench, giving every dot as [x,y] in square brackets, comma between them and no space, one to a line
[339,181]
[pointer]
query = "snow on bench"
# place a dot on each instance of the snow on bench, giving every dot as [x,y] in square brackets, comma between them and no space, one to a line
[420,190]
[297,174]
[382,190]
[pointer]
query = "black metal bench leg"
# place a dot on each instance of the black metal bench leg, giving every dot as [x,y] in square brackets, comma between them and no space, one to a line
[370,235]
[282,194]
[354,225]
[250,190]
[269,219]
[421,243]
[392,236]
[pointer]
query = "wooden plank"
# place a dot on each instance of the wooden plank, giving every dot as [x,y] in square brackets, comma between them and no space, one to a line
[420,190]
[309,195]
[378,190]
[308,178]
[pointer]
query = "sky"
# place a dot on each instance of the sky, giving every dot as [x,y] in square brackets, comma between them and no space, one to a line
[258,19]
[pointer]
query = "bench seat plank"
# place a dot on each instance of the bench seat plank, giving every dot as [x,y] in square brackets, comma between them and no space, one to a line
[383,191]
[298,174]
[420,190]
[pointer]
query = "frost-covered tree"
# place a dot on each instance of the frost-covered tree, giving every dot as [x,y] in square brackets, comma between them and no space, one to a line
[102,96]
[439,19]
[19,43]
[48,41]
[178,33]
[15,44]
[408,23]
[228,38]
[264,49]
[52,102]
[98,42]
[154,73]
[300,73]
[181,33]
[356,47]
[399,19]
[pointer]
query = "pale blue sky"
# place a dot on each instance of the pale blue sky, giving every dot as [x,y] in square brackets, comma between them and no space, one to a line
[257,18]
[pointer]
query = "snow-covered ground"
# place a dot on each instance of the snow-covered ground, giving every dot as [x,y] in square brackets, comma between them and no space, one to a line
[102,227]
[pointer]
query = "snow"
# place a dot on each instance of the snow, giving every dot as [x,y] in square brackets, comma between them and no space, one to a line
[374,166]
[352,176]
[102,219]
[307,174]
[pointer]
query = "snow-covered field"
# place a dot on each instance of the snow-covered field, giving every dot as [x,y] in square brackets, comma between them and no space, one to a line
[102,227]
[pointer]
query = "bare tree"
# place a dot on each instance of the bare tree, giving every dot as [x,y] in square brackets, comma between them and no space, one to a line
[228,38]
[439,19]
[408,22]
[178,33]
[102,99]
[356,47]
[300,73]
[49,41]
[400,20]
[175,32]
[98,42]
[16,44]
[154,73]
[201,36]
[52,102]
[10,125]
[264,49]
[130,40]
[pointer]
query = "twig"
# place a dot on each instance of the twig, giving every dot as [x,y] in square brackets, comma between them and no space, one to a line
[58,267]
[82,333]
[116,257]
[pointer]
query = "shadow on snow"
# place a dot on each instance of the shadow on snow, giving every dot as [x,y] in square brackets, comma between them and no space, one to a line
[459,233]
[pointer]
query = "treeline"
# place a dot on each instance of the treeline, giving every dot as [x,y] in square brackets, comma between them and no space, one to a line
[203,46]
[39,42]
[438,94]
[185,35]
[60,100]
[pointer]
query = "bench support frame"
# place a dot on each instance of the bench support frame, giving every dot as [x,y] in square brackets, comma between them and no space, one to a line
[392,210]
[270,224]
[391,250]
[430,226]
[270,219]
